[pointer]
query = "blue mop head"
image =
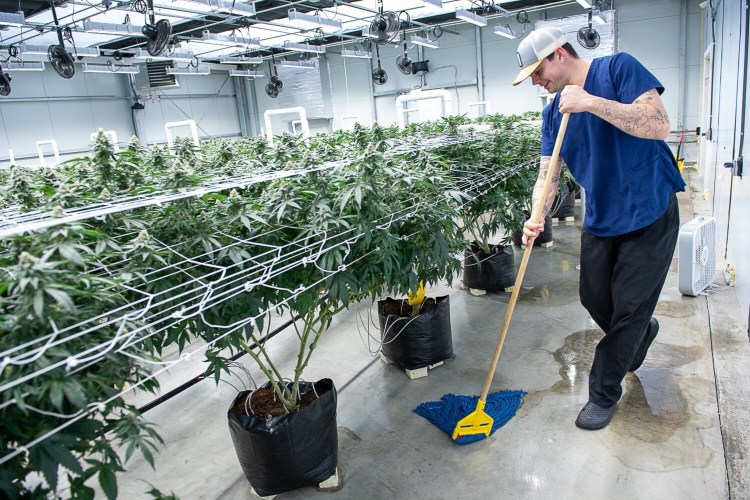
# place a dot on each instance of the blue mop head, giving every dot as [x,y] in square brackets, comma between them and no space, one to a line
[446,413]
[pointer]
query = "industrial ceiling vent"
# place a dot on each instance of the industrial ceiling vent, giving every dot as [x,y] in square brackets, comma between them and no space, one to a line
[61,59]
[157,74]
[4,83]
[697,255]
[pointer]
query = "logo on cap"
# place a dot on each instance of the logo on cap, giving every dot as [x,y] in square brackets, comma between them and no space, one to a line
[520,62]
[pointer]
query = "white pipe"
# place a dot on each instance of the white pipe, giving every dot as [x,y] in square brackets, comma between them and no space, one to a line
[11,157]
[418,95]
[353,119]
[486,105]
[55,151]
[186,123]
[285,111]
[112,138]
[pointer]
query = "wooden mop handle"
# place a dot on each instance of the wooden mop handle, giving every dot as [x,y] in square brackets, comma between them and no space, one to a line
[535,218]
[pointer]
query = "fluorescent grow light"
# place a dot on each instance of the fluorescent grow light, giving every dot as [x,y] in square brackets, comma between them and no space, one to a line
[425,42]
[240,60]
[175,56]
[33,50]
[598,16]
[16,20]
[314,21]
[111,28]
[86,52]
[23,66]
[586,4]
[297,64]
[247,73]
[200,71]
[505,31]
[234,7]
[110,68]
[437,4]
[230,40]
[360,54]
[304,47]
[470,17]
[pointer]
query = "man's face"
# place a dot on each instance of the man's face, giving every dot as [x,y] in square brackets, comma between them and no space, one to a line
[550,75]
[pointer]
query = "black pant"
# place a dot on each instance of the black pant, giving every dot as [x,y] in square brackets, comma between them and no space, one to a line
[621,279]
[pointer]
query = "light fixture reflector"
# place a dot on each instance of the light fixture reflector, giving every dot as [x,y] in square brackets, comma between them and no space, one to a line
[247,73]
[304,20]
[23,66]
[240,60]
[470,17]
[297,64]
[230,40]
[360,54]
[425,42]
[304,47]
[125,29]
[199,71]
[110,68]
[504,31]
[586,4]
[14,19]
[165,56]
[598,16]
[233,7]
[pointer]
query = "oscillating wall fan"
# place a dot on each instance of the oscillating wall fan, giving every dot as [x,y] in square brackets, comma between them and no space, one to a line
[379,76]
[275,85]
[696,263]
[4,83]
[403,62]
[59,58]
[588,37]
[157,33]
[385,26]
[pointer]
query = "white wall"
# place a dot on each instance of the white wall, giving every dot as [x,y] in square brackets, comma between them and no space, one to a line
[44,106]
[729,196]
[209,100]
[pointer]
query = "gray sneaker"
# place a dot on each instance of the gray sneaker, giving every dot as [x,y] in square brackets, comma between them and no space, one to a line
[593,416]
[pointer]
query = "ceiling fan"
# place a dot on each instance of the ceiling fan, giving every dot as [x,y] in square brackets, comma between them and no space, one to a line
[379,76]
[4,83]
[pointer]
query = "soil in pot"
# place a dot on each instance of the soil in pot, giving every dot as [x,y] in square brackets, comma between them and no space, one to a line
[402,309]
[264,402]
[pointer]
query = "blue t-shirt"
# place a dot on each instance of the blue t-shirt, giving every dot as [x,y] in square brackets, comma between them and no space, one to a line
[628,181]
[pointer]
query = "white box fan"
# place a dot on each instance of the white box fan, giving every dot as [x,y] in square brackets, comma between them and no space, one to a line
[696,261]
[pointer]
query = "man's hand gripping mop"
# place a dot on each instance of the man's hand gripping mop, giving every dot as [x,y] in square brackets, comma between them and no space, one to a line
[494,411]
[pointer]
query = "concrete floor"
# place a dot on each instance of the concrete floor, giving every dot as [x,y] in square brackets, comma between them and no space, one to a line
[680,431]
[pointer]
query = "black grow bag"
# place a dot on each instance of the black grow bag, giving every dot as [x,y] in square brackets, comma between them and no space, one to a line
[414,343]
[493,271]
[565,207]
[288,452]
[544,237]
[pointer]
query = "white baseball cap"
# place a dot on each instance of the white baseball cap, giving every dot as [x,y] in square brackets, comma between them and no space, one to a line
[534,48]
